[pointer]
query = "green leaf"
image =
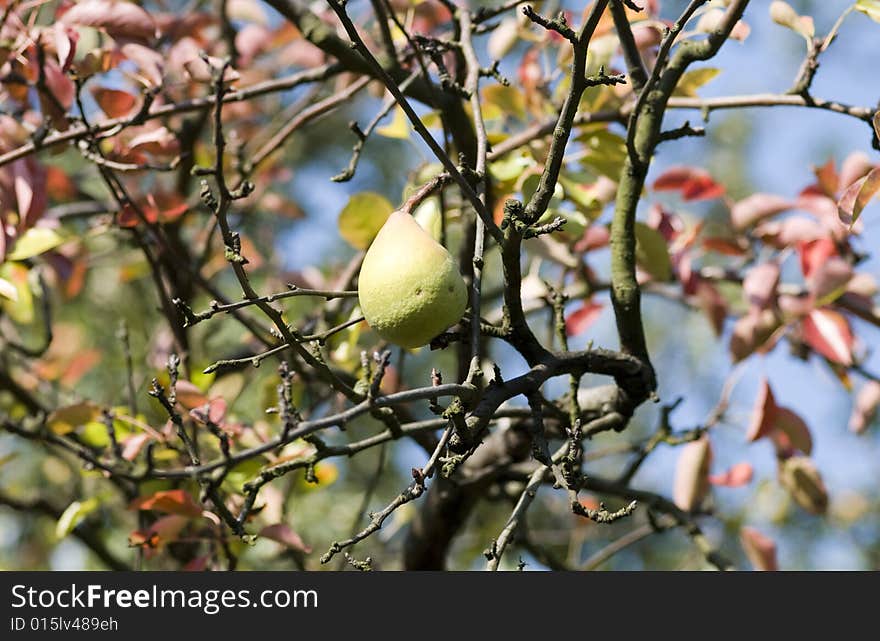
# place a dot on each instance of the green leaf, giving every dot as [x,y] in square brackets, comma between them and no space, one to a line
[362,218]
[605,152]
[500,101]
[66,419]
[19,307]
[870,8]
[509,168]
[34,242]
[652,253]
[693,80]
[74,515]
[397,128]
[583,197]
[244,472]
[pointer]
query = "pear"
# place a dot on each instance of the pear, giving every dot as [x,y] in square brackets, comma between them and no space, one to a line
[409,287]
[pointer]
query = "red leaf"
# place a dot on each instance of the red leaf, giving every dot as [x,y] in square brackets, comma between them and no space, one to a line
[168,501]
[694,183]
[857,196]
[791,433]
[763,413]
[113,102]
[669,225]
[737,476]
[65,44]
[760,549]
[595,237]
[581,319]
[692,474]
[753,331]
[189,395]
[854,166]
[284,534]
[148,61]
[828,333]
[713,304]
[133,445]
[122,20]
[792,230]
[829,280]
[827,178]
[213,411]
[814,253]
[865,407]
[760,285]
[757,207]
[154,141]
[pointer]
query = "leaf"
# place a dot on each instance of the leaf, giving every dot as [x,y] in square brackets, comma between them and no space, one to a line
[67,419]
[828,333]
[582,318]
[855,166]
[399,126]
[693,80]
[21,308]
[857,196]
[757,207]
[829,281]
[865,407]
[164,530]
[783,14]
[712,303]
[652,253]
[133,445]
[113,102]
[509,100]
[362,218]
[691,482]
[285,535]
[189,395]
[122,20]
[763,413]
[791,432]
[692,182]
[169,502]
[752,332]
[605,152]
[34,242]
[759,285]
[870,8]
[8,290]
[214,411]
[73,515]
[814,254]
[760,549]
[799,475]
[737,476]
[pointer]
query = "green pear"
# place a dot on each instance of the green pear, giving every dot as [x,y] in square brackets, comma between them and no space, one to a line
[409,287]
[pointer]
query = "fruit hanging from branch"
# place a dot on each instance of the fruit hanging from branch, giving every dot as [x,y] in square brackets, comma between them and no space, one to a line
[409,287]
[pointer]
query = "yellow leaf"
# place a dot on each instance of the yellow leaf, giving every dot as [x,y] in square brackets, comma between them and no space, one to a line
[693,80]
[397,128]
[35,241]
[362,218]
